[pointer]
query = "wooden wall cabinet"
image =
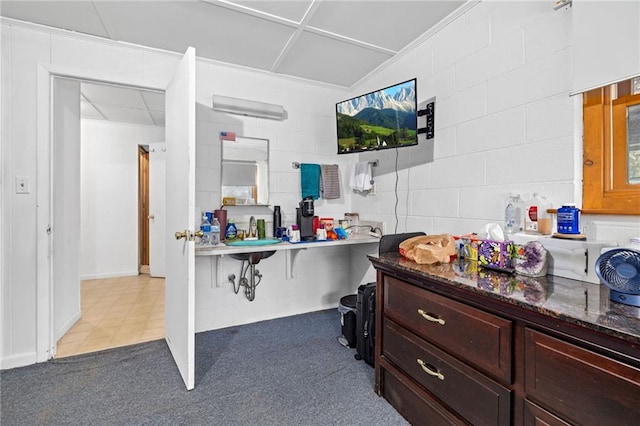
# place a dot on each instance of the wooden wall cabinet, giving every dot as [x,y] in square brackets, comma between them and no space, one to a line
[445,356]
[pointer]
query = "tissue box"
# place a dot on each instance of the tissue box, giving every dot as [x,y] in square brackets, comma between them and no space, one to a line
[467,247]
[495,254]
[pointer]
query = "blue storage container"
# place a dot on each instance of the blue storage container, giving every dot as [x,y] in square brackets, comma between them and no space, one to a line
[568,219]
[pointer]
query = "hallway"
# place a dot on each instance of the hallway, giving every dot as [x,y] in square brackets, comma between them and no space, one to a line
[116,312]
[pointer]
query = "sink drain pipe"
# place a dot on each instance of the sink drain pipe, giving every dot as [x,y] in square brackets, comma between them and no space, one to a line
[249,283]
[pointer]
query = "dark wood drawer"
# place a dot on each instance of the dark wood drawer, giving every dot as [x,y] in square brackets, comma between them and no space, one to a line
[415,405]
[537,416]
[479,338]
[471,394]
[580,386]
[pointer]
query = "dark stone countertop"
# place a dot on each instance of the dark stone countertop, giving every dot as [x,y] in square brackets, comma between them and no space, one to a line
[577,302]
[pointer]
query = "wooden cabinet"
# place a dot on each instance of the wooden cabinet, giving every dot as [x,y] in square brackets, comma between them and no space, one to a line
[472,395]
[482,339]
[581,386]
[446,356]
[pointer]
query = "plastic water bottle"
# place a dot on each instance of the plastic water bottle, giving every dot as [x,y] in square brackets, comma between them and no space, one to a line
[513,214]
[215,232]
[205,227]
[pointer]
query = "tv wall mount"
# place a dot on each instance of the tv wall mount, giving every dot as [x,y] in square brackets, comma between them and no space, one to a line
[430,112]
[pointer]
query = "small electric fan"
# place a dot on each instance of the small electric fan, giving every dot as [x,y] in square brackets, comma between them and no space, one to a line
[619,269]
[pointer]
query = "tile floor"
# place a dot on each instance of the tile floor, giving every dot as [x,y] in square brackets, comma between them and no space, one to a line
[116,312]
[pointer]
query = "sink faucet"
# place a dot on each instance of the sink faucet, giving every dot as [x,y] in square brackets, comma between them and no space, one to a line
[252,227]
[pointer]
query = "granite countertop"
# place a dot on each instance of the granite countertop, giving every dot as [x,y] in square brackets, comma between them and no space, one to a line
[578,302]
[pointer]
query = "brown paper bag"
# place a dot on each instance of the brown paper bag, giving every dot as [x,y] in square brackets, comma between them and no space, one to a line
[429,249]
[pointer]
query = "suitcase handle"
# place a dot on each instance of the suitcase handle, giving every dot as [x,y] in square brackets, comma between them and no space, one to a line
[430,318]
[428,370]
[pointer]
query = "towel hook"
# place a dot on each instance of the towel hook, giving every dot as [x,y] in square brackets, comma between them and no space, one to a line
[295,165]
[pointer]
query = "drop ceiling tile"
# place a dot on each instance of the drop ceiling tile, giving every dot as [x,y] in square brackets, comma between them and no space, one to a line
[227,31]
[128,115]
[293,10]
[77,16]
[154,100]
[104,94]
[158,117]
[322,58]
[388,24]
[88,111]
[216,32]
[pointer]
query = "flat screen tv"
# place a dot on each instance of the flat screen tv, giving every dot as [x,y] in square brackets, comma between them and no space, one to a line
[382,119]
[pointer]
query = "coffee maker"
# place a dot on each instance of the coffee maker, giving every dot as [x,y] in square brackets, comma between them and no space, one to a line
[304,218]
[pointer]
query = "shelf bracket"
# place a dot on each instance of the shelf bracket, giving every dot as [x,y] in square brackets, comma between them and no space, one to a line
[290,260]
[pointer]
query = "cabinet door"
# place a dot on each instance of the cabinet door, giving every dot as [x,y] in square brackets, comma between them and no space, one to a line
[480,338]
[578,385]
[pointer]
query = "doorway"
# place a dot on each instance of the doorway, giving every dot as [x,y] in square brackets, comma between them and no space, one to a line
[143,210]
[116,303]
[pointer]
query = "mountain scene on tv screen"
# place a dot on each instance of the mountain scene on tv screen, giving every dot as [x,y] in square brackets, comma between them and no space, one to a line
[378,120]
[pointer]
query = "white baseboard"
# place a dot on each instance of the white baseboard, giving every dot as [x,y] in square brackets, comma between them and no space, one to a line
[68,324]
[109,275]
[19,360]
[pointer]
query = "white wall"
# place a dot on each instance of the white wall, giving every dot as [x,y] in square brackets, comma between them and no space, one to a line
[504,122]
[306,136]
[109,194]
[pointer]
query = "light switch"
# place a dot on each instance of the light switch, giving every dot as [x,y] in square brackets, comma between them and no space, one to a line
[22,185]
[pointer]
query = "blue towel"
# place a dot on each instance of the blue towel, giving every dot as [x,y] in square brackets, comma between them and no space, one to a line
[310,180]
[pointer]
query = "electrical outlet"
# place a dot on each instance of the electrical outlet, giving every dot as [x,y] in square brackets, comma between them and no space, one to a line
[22,185]
[378,226]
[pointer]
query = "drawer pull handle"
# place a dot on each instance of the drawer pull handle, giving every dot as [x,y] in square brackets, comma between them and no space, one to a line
[430,318]
[428,370]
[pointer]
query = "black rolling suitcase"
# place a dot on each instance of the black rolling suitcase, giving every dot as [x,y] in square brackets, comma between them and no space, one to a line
[366,323]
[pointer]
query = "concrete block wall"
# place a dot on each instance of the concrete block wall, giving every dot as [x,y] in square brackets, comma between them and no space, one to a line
[322,276]
[501,75]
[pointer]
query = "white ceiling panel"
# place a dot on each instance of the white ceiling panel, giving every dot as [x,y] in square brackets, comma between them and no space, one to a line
[120,103]
[103,94]
[158,117]
[154,100]
[293,10]
[214,31]
[88,111]
[128,115]
[321,58]
[281,36]
[79,16]
[388,24]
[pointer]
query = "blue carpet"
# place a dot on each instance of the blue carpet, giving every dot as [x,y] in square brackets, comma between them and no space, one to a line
[287,371]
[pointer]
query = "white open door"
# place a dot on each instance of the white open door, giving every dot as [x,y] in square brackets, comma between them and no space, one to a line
[180,131]
[157,215]
[66,217]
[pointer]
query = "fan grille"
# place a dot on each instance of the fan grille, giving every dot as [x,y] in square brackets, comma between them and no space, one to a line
[619,269]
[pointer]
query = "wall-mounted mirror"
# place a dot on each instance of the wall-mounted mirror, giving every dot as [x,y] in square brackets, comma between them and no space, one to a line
[245,171]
